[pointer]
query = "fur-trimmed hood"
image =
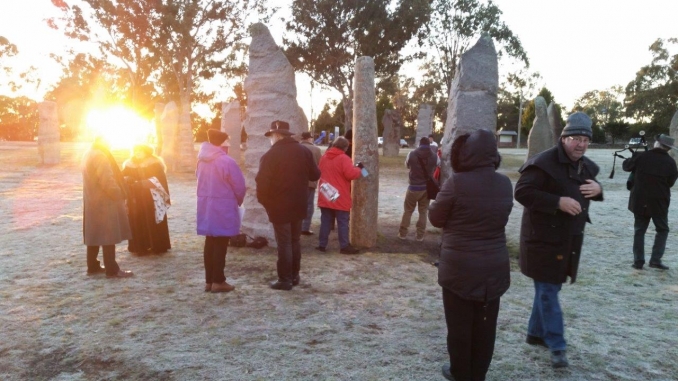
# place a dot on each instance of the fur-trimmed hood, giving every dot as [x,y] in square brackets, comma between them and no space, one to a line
[147,162]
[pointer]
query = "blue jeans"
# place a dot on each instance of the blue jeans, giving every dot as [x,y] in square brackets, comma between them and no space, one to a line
[661,226]
[547,317]
[327,217]
[287,237]
[310,207]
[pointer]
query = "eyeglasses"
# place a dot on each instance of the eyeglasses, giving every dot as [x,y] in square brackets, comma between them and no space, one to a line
[578,140]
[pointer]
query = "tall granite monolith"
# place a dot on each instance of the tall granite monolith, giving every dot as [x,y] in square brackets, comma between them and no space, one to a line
[541,134]
[169,122]
[365,190]
[391,134]
[472,103]
[157,120]
[186,157]
[554,121]
[673,131]
[424,122]
[271,95]
[48,133]
[231,123]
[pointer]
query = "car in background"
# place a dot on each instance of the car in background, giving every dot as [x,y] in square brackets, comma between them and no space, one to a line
[403,142]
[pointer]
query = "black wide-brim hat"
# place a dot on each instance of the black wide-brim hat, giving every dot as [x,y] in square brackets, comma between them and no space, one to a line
[280,127]
[666,140]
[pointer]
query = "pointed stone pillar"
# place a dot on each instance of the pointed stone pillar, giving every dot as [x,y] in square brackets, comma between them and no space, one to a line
[541,135]
[186,157]
[554,121]
[169,122]
[271,95]
[365,191]
[157,120]
[48,133]
[673,131]
[472,103]
[231,123]
[424,122]
[391,135]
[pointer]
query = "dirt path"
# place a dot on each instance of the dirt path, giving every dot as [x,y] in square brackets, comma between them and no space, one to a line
[375,316]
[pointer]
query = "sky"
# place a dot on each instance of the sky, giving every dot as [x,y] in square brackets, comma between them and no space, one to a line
[576,45]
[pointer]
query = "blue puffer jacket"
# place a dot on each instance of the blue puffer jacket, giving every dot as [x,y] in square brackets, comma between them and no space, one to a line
[473,207]
[221,188]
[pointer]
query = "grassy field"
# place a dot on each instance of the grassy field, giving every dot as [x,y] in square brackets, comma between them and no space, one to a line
[374,316]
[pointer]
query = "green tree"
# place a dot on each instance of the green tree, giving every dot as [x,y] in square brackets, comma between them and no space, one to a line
[176,42]
[326,37]
[605,109]
[529,112]
[653,95]
[18,118]
[454,25]
[325,121]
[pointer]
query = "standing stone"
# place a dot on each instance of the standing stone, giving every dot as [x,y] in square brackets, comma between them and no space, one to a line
[541,135]
[169,122]
[157,119]
[472,103]
[271,95]
[231,123]
[673,131]
[424,122]
[185,159]
[554,121]
[391,135]
[365,191]
[48,133]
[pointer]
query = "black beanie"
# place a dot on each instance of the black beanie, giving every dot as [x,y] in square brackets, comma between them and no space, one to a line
[216,137]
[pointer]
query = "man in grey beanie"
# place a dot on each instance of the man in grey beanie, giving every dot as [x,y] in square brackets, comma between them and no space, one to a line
[555,188]
[655,173]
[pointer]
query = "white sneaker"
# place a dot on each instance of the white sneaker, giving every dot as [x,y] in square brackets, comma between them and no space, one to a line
[420,239]
[402,236]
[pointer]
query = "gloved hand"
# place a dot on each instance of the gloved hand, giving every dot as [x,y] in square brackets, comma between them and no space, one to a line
[360,165]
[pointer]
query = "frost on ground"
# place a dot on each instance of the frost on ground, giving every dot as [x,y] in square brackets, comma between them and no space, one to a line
[374,316]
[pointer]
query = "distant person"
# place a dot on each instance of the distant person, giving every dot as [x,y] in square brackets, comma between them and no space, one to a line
[349,136]
[221,189]
[307,141]
[555,187]
[473,208]
[655,173]
[105,220]
[432,143]
[148,201]
[338,170]
[282,188]
[422,163]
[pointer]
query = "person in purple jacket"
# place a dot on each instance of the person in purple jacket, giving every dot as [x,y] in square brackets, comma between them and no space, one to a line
[221,189]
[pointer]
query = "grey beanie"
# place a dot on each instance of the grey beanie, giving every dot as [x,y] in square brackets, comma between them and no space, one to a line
[578,123]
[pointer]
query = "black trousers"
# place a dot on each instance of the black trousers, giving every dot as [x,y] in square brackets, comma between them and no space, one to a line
[111,265]
[214,255]
[287,236]
[471,331]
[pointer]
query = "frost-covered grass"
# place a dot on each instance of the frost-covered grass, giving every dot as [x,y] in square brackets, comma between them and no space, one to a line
[375,316]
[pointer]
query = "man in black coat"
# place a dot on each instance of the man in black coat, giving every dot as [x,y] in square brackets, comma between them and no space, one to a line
[655,173]
[422,163]
[282,188]
[555,187]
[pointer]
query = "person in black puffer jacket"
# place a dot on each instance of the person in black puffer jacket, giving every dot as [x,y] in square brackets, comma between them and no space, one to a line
[473,207]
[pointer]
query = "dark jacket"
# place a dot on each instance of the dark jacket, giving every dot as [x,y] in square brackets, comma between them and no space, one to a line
[473,208]
[655,173]
[551,240]
[417,174]
[282,180]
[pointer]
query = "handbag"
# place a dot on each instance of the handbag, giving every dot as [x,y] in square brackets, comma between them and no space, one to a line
[432,187]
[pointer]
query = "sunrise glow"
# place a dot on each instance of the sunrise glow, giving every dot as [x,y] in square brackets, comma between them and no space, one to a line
[120,126]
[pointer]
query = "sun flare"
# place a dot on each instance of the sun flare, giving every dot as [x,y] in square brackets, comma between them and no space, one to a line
[120,126]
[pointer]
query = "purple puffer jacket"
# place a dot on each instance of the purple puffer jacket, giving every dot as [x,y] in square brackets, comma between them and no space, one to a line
[221,188]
